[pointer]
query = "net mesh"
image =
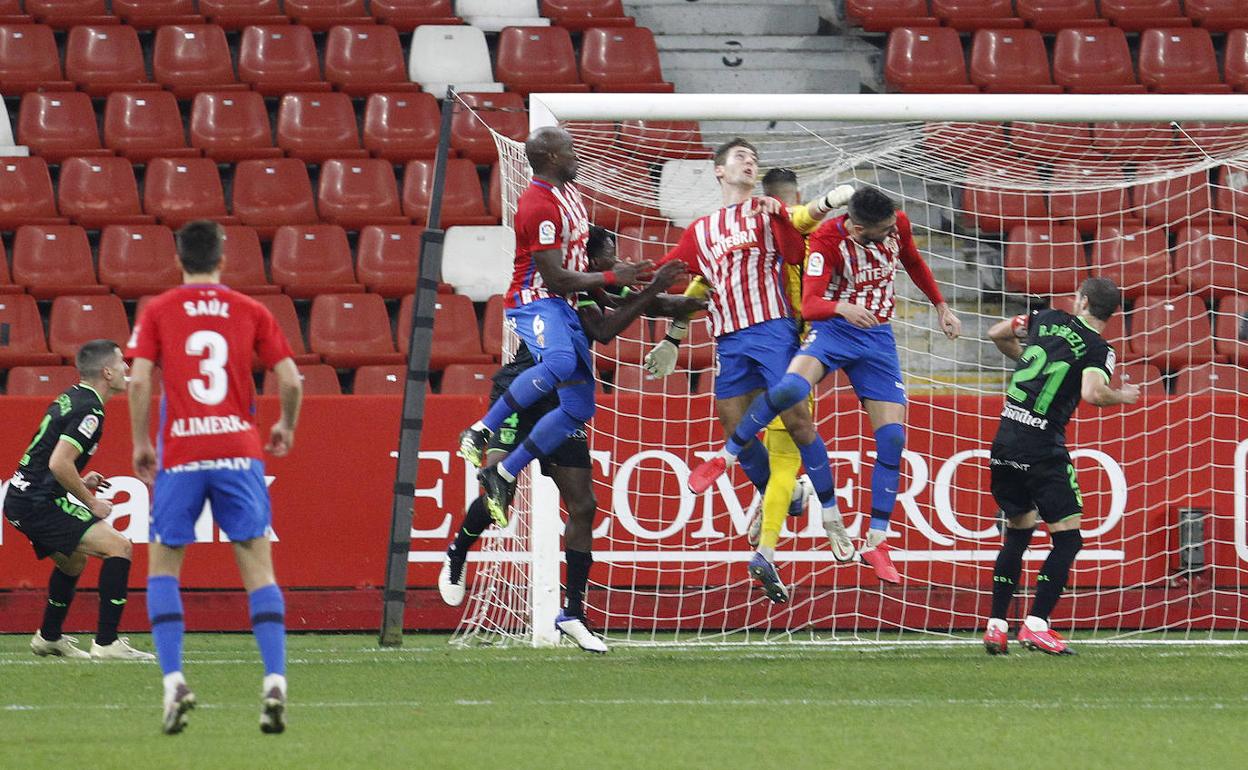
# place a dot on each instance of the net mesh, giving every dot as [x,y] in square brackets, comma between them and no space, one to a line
[1009,217]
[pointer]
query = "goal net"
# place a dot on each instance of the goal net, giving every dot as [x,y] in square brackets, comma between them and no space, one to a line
[1014,201]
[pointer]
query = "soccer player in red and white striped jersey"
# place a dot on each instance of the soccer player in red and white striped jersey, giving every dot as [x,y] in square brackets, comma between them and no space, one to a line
[848,298]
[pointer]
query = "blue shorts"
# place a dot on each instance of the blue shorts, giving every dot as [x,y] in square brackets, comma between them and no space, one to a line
[552,324]
[239,498]
[754,358]
[868,356]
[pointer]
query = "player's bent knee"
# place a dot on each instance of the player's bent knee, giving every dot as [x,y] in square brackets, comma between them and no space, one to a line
[561,364]
[577,402]
[791,389]
[1068,540]
[890,440]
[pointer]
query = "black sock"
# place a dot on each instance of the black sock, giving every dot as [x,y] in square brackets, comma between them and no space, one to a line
[579,563]
[114,575]
[475,522]
[1055,571]
[60,595]
[1009,567]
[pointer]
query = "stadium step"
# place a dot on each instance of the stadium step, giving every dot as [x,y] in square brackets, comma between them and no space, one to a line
[777,17]
[717,63]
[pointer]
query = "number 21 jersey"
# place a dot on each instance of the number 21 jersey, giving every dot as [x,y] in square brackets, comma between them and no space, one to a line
[203,337]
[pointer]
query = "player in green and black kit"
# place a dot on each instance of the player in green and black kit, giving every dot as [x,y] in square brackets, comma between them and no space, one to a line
[39,505]
[569,465]
[1061,359]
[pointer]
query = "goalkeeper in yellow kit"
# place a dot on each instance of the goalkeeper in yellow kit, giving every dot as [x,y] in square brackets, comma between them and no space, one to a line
[785,494]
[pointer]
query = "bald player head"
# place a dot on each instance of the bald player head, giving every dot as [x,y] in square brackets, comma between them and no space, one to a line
[551,155]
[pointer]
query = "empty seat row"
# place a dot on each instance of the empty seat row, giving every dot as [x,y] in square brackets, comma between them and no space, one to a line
[1085,60]
[1046,15]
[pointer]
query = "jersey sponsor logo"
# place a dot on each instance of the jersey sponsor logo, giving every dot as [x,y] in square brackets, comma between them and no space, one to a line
[89,425]
[1009,463]
[734,241]
[208,426]
[1111,358]
[19,482]
[546,233]
[1018,414]
[222,464]
[814,264]
[64,404]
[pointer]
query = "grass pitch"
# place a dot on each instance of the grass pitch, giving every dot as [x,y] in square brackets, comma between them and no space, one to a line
[432,705]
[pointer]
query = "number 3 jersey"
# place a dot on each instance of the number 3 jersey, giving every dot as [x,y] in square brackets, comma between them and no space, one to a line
[1047,384]
[204,337]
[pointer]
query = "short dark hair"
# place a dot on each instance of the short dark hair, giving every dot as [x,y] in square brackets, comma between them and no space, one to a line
[1103,295]
[779,176]
[721,152]
[598,238]
[869,206]
[93,356]
[199,247]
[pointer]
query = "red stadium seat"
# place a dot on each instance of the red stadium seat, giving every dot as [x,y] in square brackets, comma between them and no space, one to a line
[149,14]
[635,243]
[926,60]
[462,199]
[1215,137]
[1087,209]
[145,125]
[1139,15]
[276,59]
[379,380]
[1212,260]
[95,192]
[630,347]
[537,59]
[1171,200]
[11,13]
[406,15]
[1094,60]
[471,133]
[1011,61]
[456,338]
[885,15]
[1044,259]
[352,330]
[1051,142]
[955,142]
[1128,141]
[991,205]
[231,127]
[971,15]
[6,281]
[312,259]
[318,126]
[29,60]
[627,195]
[100,60]
[1218,15]
[244,261]
[1172,333]
[237,14]
[1231,193]
[58,124]
[1230,328]
[64,14]
[189,58]
[622,59]
[362,60]
[50,260]
[25,344]
[272,193]
[634,379]
[77,319]
[41,380]
[354,193]
[136,260]
[320,15]
[402,126]
[1179,60]
[661,140]
[492,327]
[26,196]
[388,259]
[317,379]
[179,190]
[580,15]
[1206,379]
[1134,257]
[1144,376]
[494,193]
[1055,15]
[469,379]
[283,310]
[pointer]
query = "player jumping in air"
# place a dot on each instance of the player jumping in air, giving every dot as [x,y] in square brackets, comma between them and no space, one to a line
[38,505]
[551,266]
[848,299]
[1061,359]
[569,465]
[204,336]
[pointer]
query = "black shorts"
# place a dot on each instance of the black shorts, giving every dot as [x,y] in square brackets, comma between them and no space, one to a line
[51,526]
[573,453]
[1048,486]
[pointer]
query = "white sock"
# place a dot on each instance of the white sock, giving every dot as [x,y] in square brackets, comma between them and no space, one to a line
[479,426]
[831,516]
[729,458]
[1034,623]
[271,681]
[768,553]
[503,472]
[997,624]
[172,680]
[875,537]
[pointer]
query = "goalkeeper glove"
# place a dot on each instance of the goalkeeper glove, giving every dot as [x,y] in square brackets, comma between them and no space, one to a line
[835,199]
[661,360]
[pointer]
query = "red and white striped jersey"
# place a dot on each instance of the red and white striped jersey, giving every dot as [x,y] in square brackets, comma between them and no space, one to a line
[840,269]
[739,250]
[547,217]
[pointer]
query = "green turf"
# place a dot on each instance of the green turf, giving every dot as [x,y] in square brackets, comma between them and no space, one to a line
[429,705]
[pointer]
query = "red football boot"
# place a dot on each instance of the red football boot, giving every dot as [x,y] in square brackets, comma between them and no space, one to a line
[996,642]
[1048,641]
[705,474]
[880,561]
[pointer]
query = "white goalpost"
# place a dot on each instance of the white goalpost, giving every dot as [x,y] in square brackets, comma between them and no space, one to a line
[1014,199]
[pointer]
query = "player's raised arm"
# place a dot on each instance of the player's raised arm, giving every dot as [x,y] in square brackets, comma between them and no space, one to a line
[561,280]
[290,393]
[139,395]
[1095,389]
[922,276]
[604,327]
[1008,334]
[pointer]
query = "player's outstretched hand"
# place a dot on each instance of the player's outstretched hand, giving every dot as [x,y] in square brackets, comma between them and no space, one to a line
[281,439]
[666,275]
[100,509]
[838,197]
[686,306]
[857,315]
[629,273]
[1130,393]
[94,481]
[950,324]
[145,463]
[771,206]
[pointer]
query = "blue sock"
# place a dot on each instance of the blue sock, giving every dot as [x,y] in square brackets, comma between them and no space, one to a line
[791,389]
[531,385]
[890,440]
[815,458]
[268,623]
[164,610]
[756,463]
